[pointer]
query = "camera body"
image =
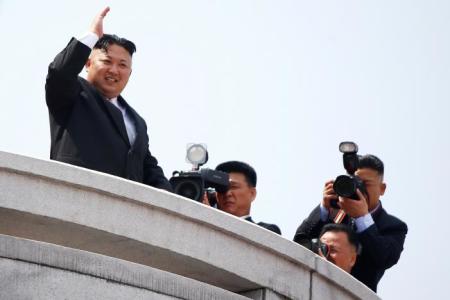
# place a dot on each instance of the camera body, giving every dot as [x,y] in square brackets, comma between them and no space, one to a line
[194,184]
[346,185]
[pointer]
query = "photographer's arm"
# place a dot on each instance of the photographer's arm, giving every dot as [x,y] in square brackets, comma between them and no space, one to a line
[311,226]
[384,248]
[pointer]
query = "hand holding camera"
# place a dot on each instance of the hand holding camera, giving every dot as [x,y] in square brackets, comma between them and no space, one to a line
[354,209]
[347,192]
[330,197]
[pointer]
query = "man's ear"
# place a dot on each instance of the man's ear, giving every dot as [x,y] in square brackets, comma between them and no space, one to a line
[353,259]
[88,63]
[383,188]
[253,193]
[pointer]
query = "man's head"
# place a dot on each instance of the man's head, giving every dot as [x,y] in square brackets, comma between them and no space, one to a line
[371,171]
[342,245]
[109,65]
[239,197]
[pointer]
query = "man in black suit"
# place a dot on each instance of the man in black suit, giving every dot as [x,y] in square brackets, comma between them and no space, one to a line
[91,125]
[241,193]
[380,234]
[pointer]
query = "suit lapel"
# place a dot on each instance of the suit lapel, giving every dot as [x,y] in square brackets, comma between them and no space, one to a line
[114,113]
[117,118]
[137,124]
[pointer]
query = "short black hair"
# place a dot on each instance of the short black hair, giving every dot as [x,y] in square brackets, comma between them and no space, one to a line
[351,234]
[239,167]
[111,39]
[371,162]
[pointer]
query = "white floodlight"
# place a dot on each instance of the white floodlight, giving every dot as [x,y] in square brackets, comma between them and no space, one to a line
[196,154]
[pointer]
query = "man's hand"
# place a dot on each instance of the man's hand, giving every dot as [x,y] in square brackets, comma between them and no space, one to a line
[355,208]
[328,194]
[97,23]
[205,199]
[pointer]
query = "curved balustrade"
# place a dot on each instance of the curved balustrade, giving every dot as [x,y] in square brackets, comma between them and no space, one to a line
[108,234]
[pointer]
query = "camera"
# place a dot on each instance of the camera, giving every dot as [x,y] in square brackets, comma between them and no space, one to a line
[346,185]
[193,184]
[316,246]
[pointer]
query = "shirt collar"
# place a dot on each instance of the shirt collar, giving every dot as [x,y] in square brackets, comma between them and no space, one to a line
[376,209]
[114,101]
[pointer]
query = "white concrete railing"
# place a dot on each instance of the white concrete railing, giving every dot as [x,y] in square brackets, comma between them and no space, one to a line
[37,270]
[64,205]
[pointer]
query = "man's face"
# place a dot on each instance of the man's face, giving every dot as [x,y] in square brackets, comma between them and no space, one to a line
[341,252]
[374,185]
[238,199]
[109,71]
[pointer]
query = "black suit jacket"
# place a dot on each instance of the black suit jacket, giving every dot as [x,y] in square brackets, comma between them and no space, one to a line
[382,243]
[271,227]
[88,131]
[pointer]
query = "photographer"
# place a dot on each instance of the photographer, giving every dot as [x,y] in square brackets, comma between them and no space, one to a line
[341,245]
[380,234]
[241,193]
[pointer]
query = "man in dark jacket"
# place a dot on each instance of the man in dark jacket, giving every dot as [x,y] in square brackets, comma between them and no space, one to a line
[91,125]
[241,193]
[380,234]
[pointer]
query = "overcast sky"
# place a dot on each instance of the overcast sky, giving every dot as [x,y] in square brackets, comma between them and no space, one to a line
[277,84]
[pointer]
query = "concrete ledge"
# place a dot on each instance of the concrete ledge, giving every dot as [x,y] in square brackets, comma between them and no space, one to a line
[34,270]
[83,209]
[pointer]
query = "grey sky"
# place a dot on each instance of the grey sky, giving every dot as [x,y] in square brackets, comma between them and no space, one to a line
[277,84]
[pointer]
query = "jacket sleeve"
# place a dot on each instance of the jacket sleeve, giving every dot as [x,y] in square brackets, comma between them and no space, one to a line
[384,247]
[271,227]
[153,174]
[309,229]
[274,228]
[62,86]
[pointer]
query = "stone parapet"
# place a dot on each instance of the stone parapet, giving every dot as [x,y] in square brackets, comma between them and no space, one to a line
[68,206]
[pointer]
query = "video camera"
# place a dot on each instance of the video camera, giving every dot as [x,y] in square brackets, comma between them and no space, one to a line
[346,185]
[193,184]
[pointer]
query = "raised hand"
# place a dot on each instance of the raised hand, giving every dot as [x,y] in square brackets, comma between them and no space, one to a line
[97,23]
